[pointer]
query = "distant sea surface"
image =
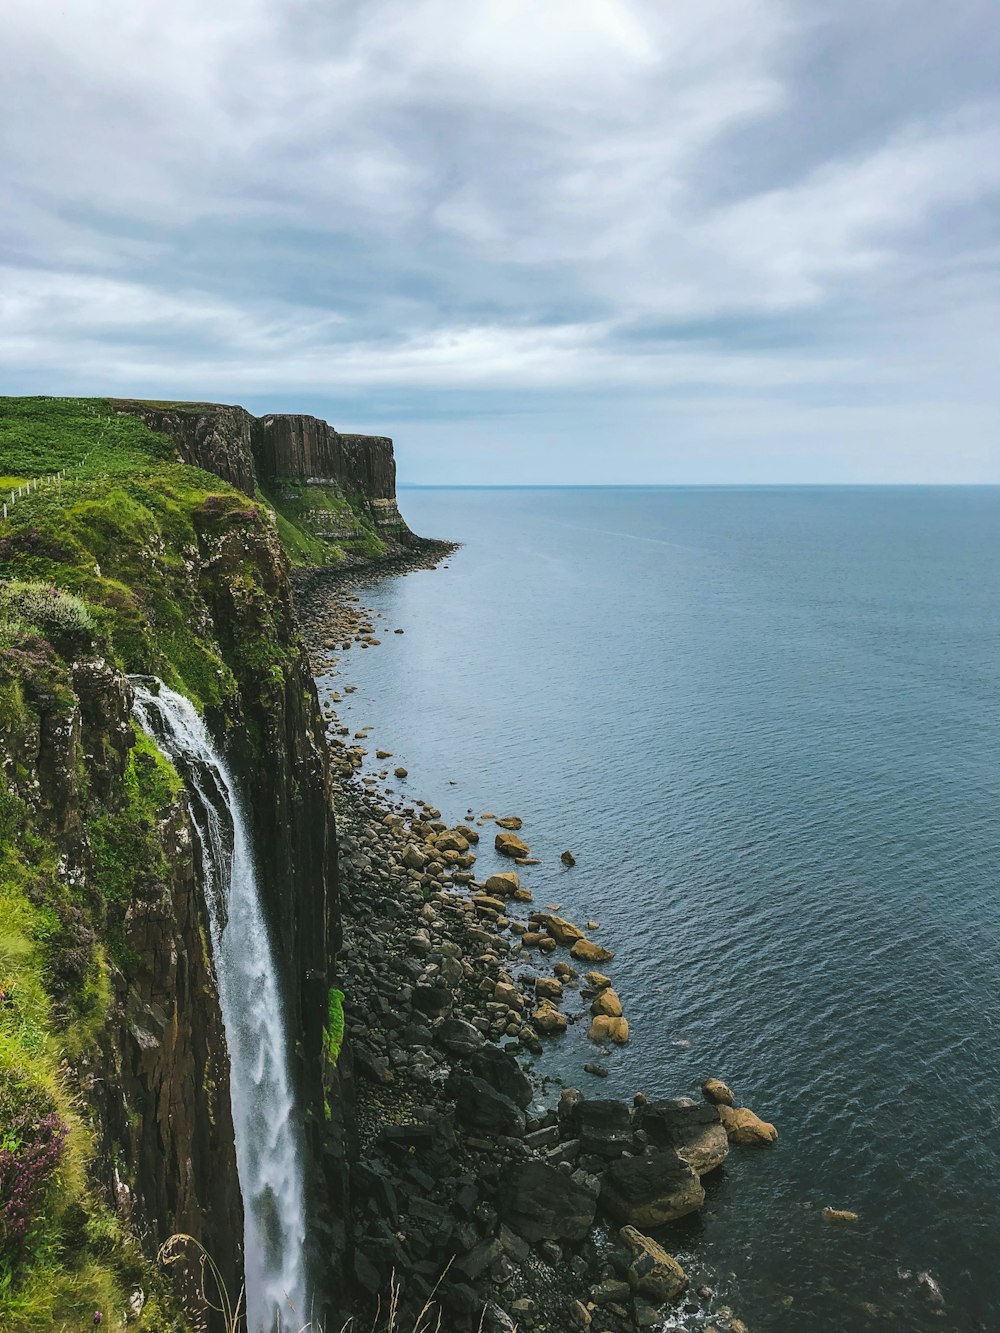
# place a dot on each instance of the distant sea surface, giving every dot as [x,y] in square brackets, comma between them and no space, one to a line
[767,724]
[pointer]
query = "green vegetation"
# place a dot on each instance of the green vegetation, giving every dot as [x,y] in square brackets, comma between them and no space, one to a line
[333,1033]
[152,567]
[319,525]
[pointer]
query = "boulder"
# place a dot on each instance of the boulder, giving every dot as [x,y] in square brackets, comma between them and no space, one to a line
[717,1092]
[548,1019]
[458,1037]
[504,884]
[604,1128]
[502,1072]
[839,1215]
[693,1129]
[597,980]
[604,1029]
[540,1202]
[481,1106]
[606,1002]
[652,1272]
[432,1000]
[400,772]
[561,930]
[451,841]
[743,1126]
[649,1191]
[568,859]
[589,952]
[548,988]
[510,822]
[509,844]
[414,858]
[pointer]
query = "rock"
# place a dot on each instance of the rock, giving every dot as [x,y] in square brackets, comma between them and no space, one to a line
[652,1273]
[649,1191]
[589,952]
[383,754]
[592,1067]
[504,884]
[459,1037]
[611,1291]
[431,1000]
[839,1215]
[401,772]
[502,1072]
[717,1092]
[542,1203]
[548,1019]
[579,1315]
[693,1129]
[561,930]
[607,1003]
[548,988]
[414,858]
[568,859]
[604,1128]
[604,1029]
[510,822]
[744,1127]
[483,1107]
[451,841]
[564,972]
[597,980]
[509,844]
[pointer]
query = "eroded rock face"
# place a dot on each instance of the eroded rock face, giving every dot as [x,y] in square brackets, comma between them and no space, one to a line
[646,1192]
[694,1131]
[540,1202]
[214,436]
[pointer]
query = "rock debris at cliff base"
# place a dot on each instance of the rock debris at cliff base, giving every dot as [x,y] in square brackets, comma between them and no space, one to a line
[530,1203]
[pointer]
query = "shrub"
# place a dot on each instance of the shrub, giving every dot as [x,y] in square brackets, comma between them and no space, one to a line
[32,1135]
[46,608]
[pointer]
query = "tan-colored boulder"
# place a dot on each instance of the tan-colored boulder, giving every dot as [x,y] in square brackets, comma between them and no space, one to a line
[548,988]
[504,884]
[653,1273]
[606,1002]
[839,1215]
[597,980]
[452,841]
[400,772]
[531,939]
[510,822]
[717,1092]
[561,930]
[742,1126]
[509,844]
[603,1028]
[589,952]
[548,1019]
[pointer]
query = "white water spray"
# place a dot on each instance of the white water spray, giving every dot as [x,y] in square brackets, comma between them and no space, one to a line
[267,1131]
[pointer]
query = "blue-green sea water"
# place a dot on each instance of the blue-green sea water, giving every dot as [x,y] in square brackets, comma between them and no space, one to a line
[767,723]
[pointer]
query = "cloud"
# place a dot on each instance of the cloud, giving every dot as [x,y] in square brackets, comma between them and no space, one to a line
[403,200]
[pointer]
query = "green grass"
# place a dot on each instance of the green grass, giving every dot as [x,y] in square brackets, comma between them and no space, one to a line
[158,568]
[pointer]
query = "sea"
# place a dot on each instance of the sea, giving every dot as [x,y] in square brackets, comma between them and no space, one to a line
[766,722]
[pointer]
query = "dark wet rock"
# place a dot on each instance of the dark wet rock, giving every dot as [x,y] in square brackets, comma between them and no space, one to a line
[502,1072]
[649,1191]
[459,1037]
[604,1128]
[480,1105]
[540,1202]
[692,1129]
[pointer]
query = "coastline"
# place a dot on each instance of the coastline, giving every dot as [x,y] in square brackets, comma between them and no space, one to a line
[508,1191]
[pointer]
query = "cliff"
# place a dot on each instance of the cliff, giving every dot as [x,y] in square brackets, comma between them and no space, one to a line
[334,494]
[113,1066]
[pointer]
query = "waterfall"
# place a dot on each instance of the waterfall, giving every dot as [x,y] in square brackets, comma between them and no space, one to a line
[267,1130]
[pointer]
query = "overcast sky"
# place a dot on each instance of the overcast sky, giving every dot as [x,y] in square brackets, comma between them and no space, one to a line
[534,240]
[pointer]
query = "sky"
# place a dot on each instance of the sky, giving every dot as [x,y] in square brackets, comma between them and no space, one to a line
[536,241]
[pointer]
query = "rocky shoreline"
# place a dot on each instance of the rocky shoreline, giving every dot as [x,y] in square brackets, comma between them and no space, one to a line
[510,1204]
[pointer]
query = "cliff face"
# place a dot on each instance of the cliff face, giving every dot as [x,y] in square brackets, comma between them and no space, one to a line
[339,489]
[180,577]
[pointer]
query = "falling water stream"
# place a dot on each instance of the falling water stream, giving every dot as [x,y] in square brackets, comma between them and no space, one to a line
[268,1137]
